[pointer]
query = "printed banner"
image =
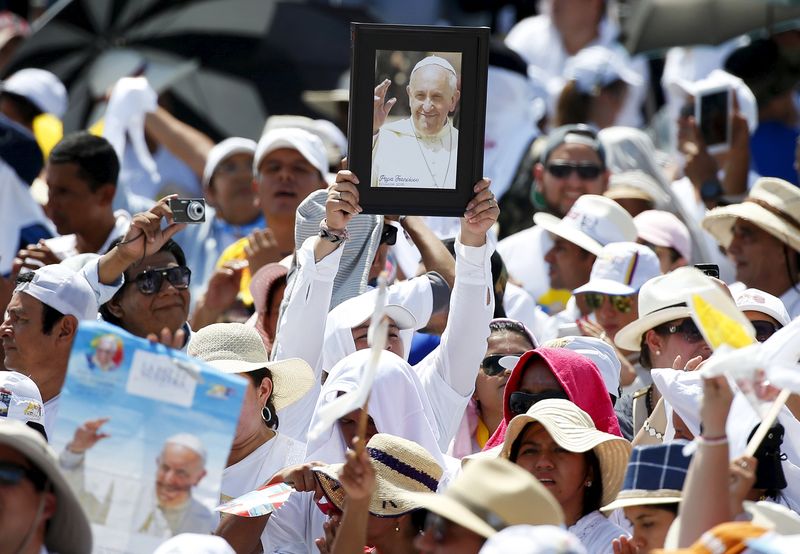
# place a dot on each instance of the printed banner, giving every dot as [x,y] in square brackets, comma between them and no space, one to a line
[259,502]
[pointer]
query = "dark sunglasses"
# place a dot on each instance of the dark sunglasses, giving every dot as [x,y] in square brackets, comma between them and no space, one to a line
[764,329]
[520,402]
[12,474]
[562,170]
[623,304]
[491,365]
[686,328]
[389,235]
[149,281]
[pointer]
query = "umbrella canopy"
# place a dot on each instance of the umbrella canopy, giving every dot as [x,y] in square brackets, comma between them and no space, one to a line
[661,24]
[227,63]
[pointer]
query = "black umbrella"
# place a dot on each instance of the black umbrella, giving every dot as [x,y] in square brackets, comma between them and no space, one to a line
[227,63]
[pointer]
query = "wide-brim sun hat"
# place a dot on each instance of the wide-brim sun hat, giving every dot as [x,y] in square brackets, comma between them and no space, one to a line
[592,222]
[238,348]
[573,430]
[772,205]
[492,494]
[68,530]
[401,466]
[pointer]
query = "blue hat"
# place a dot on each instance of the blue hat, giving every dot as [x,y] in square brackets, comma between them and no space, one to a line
[655,475]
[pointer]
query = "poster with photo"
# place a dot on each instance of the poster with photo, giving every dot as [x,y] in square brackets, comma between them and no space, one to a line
[142,435]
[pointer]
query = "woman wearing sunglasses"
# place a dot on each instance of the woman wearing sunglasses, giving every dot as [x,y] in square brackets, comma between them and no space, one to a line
[582,467]
[508,341]
[155,296]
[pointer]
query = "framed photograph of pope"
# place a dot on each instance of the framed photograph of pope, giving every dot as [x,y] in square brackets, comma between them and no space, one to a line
[417,113]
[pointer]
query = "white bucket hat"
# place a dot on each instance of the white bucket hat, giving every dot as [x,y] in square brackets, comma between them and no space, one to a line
[492,494]
[309,145]
[754,300]
[226,148]
[592,222]
[573,430]
[661,299]
[597,67]
[621,268]
[238,348]
[772,204]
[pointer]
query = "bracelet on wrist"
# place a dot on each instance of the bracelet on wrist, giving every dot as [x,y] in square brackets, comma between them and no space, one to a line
[332,235]
[652,431]
[713,441]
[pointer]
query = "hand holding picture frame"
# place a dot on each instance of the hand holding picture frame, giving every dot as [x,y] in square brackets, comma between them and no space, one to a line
[417,115]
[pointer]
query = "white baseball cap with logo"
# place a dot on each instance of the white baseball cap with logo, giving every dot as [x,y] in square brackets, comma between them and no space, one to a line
[592,222]
[755,300]
[621,268]
[63,289]
[20,399]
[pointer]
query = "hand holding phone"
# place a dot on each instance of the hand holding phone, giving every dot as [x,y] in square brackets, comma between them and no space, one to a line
[713,117]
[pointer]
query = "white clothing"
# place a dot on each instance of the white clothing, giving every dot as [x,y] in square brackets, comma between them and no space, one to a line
[791,299]
[523,255]
[404,158]
[520,305]
[257,468]
[65,246]
[294,526]
[50,414]
[596,532]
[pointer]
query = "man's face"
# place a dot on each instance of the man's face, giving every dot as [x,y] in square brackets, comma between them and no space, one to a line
[232,189]
[285,178]
[570,265]
[616,312]
[19,504]
[178,470]
[560,193]
[758,256]
[393,342]
[27,349]
[141,313]
[71,203]
[431,98]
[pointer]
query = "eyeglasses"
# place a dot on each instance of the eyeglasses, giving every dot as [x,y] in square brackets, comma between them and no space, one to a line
[12,474]
[491,365]
[149,281]
[562,170]
[764,329]
[623,304]
[686,328]
[520,402]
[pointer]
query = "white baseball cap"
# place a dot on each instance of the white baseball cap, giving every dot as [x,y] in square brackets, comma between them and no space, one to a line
[309,145]
[599,66]
[41,88]
[20,399]
[592,222]
[755,300]
[63,289]
[228,147]
[599,352]
[662,228]
[621,268]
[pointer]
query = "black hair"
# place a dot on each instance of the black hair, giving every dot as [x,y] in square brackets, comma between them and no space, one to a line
[592,495]
[170,246]
[257,376]
[573,105]
[672,507]
[96,159]
[27,110]
[644,353]
[511,326]
[276,284]
[50,316]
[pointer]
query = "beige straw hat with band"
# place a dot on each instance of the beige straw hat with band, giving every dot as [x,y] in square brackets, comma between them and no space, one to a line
[401,466]
[492,494]
[772,204]
[238,348]
[573,430]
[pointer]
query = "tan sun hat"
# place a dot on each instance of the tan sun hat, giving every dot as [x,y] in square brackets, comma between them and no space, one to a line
[573,430]
[490,495]
[238,348]
[772,204]
[401,466]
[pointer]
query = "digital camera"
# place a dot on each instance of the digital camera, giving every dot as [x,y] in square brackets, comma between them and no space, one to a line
[188,210]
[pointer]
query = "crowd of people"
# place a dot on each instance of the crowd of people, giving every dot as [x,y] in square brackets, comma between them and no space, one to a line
[541,388]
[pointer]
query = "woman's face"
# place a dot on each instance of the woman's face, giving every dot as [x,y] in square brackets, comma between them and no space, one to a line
[565,474]
[686,342]
[250,422]
[650,526]
[348,425]
[489,389]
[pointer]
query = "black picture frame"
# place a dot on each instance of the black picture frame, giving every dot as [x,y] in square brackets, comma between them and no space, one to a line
[473,45]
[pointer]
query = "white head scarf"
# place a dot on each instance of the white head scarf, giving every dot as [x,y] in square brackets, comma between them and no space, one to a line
[397,405]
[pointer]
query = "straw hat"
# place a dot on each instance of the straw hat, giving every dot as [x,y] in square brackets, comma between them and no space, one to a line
[400,466]
[490,495]
[661,299]
[772,204]
[238,348]
[592,222]
[655,475]
[572,429]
